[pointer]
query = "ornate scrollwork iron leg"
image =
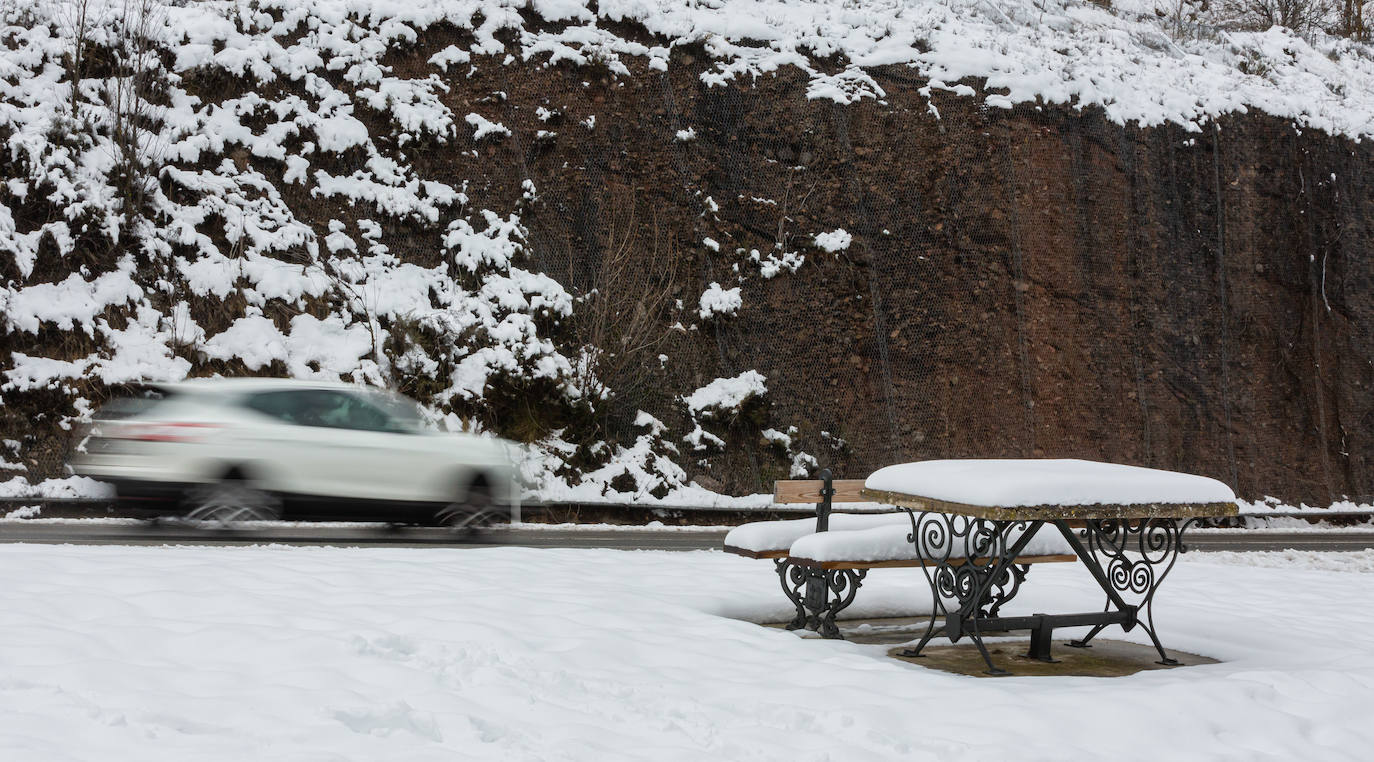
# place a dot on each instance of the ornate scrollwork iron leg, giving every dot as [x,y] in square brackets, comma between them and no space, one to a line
[819,595]
[1003,589]
[793,579]
[841,585]
[1132,557]
[969,561]
[930,534]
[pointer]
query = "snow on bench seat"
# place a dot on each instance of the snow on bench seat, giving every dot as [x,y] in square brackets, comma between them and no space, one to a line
[762,539]
[1044,483]
[888,545]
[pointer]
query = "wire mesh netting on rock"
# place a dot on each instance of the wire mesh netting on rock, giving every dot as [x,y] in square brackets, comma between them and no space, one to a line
[913,276]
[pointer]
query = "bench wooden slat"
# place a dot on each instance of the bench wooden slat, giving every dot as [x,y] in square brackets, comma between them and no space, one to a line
[902,564]
[755,553]
[809,491]
[913,563]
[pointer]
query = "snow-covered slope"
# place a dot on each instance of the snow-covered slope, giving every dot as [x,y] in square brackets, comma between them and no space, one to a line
[164,219]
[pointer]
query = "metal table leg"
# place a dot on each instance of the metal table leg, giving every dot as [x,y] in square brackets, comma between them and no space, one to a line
[1130,581]
[971,561]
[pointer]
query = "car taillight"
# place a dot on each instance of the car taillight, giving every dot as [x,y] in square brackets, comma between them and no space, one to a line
[165,432]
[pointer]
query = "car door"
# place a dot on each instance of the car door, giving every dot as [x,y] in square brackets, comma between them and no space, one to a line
[344,445]
[404,459]
[302,453]
[368,451]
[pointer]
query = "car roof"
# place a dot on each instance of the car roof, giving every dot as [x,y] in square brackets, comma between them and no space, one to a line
[249,385]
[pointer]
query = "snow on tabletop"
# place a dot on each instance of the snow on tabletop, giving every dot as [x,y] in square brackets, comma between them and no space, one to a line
[890,543]
[767,536]
[219,654]
[1023,483]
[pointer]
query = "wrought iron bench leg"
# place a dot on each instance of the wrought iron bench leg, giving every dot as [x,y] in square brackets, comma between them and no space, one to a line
[819,595]
[992,601]
[841,585]
[1042,637]
[794,579]
[937,612]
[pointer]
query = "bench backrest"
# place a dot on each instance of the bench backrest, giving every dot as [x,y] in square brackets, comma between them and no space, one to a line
[809,491]
[822,492]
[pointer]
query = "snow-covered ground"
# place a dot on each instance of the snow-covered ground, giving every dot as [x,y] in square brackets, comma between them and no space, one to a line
[112,653]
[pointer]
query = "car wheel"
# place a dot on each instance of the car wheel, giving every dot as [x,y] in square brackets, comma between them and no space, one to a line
[478,510]
[230,502]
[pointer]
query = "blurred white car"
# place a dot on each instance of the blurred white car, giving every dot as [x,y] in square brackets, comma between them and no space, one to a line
[224,450]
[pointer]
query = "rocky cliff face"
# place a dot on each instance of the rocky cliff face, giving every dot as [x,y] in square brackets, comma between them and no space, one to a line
[1026,282]
[921,273]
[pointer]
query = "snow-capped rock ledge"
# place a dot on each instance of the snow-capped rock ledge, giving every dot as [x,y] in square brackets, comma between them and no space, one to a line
[1058,51]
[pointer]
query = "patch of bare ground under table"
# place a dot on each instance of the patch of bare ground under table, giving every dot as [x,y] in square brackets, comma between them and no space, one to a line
[1106,657]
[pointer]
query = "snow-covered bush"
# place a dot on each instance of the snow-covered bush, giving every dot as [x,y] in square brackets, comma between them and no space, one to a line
[726,398]
[800,464]
[225,266]
[834,241]
[717,302]
[723,401]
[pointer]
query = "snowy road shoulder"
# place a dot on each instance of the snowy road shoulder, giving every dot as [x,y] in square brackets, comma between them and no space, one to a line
[326,653]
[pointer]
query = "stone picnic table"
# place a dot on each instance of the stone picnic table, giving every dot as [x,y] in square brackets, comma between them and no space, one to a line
[975,528]
[972,519]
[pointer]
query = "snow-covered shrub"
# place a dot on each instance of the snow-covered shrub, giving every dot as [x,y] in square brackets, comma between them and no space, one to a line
[778,439]
[726,398]
[646,468]
[481,327]
[717,302]
[800,464]
[834,241]
[776,262]
[723,402]
[803,465]
[1301,16]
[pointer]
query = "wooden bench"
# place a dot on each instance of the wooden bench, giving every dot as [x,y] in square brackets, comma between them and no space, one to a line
[820,588]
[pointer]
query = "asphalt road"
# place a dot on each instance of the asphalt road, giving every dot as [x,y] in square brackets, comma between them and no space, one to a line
[103,533]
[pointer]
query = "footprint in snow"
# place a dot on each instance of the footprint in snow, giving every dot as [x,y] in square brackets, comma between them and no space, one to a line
[383,722]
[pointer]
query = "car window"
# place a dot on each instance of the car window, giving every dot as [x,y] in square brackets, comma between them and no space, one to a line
[139,403]
[284,406]
[403,411]
[323,407]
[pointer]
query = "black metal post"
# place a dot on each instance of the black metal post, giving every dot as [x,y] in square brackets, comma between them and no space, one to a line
[817,593]
[823,507]
[1042,635]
